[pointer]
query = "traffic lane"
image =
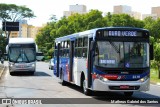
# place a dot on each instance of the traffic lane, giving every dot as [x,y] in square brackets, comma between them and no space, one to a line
[43,67]
[36,86]
[50,87]
[58,91]
[42,70]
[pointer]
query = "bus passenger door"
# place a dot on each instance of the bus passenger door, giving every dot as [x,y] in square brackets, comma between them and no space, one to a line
[90,63]
[71,60]
[58,53]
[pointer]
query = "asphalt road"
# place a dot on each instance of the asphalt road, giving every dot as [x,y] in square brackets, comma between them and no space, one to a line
[43,84]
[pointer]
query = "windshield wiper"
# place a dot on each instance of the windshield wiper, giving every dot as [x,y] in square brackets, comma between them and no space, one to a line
[18,56]
[26,57]
[115,47]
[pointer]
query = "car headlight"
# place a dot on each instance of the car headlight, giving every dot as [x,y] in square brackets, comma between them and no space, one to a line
[144,78]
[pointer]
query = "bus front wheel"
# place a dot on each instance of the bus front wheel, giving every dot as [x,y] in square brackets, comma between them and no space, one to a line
[128,94]
[85,90]
[12,73]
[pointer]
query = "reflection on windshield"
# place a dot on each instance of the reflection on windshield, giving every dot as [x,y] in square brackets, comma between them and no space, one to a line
[121,54]
[21,54]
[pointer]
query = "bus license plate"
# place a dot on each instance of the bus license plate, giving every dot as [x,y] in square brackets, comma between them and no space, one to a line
[124,87]
[21,66]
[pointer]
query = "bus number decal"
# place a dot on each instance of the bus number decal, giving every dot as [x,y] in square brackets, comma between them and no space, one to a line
[107,61]
[136,76]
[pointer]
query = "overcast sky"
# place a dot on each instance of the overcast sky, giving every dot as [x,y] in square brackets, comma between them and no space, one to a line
[43,9]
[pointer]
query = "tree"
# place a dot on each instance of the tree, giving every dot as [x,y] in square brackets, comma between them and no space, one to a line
[149,23]
[124,20]
[53,18]
[81,22]
[2,44]
[12,12]
[154,28]
[45,41]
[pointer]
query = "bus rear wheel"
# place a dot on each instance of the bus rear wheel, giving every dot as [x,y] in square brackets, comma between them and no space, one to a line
[85,90]
[62,81]
[12,73]
[128,94]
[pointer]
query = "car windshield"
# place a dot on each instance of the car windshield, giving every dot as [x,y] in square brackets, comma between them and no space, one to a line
[121,54]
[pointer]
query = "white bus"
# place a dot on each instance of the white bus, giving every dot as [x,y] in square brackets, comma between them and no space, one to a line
[21,55]
[105,59]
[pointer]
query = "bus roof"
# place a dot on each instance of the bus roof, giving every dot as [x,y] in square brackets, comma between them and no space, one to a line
[93,31]
[21,40]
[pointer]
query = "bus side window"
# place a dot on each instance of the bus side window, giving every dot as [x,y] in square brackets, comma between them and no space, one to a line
[85,46]
[80,47]
[75,48]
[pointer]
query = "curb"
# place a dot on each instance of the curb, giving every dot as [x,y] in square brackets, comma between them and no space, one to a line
[1,72]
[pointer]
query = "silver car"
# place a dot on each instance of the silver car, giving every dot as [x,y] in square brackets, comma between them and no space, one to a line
[51,64]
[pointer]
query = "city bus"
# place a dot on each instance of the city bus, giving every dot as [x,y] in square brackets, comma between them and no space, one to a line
[105,59]
[21,55]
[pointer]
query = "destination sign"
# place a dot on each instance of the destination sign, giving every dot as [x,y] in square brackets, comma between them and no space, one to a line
[122,33]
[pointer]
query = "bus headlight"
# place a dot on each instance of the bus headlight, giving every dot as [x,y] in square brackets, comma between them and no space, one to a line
[11,64]
[33,65]
[102,78]
[144,78]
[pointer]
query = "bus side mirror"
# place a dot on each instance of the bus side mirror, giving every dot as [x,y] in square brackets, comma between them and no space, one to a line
[5,55]
[151,52]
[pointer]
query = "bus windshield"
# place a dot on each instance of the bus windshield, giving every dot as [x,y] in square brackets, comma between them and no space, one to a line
[22,54]
[121,54]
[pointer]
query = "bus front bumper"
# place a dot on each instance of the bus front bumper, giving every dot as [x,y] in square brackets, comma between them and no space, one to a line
[22,67]
[124,86]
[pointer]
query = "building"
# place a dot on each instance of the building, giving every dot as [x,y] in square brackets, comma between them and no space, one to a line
[136,15]
[154,16]
[124,9]
[156,10]
[120,9]
[81,9]
[25,30]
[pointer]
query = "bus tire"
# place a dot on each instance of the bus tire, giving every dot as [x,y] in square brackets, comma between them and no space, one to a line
[61,77]
[85,90]
[128,94]
[11,73]
[31,73]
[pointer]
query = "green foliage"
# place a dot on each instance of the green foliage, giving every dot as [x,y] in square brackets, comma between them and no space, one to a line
[12,12]
[2,43]
[157,52]
[154,27]
[80,22]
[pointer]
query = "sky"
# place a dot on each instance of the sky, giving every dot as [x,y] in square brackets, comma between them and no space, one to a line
[43,9]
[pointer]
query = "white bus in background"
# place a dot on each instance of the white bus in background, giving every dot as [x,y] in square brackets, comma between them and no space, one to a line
[22,55]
